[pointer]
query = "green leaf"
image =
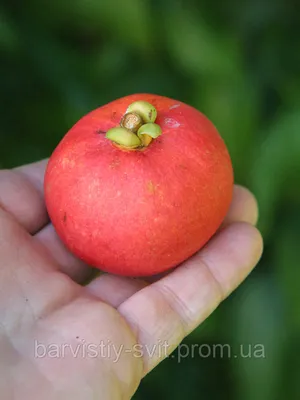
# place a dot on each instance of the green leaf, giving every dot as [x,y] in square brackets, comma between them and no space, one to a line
[276,167]
[233,106]
[197,49]
[9,39]
[257,327]
[128,21]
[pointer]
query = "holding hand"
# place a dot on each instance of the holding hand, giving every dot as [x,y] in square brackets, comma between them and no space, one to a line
[43,305]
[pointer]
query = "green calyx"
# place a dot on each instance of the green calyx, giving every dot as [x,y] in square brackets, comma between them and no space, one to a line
[137,127]
[146,110]
[123,137]
[149,129]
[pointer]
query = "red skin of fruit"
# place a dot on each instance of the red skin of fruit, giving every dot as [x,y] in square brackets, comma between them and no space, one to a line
[139,213]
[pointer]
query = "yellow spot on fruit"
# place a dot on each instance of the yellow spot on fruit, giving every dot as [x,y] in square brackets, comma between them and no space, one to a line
[115,163]
[151,187]
[66,162]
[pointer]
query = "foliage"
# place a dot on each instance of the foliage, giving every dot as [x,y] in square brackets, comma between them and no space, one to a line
[238,62]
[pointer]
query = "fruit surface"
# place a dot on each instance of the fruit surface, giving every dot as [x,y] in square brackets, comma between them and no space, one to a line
[139,212]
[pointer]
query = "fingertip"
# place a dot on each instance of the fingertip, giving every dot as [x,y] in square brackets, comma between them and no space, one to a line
[243,208]
[244,240]
[257,240]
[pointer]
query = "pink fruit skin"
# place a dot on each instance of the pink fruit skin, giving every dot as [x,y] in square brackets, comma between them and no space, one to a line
[139,213]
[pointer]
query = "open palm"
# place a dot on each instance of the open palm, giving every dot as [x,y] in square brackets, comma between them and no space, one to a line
[61,339]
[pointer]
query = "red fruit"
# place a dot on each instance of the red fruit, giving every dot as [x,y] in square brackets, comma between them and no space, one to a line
[139,212]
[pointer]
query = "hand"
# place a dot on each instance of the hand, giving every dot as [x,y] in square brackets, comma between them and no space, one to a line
[62,340]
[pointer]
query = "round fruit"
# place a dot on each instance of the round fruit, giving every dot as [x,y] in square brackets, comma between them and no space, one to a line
[139,185]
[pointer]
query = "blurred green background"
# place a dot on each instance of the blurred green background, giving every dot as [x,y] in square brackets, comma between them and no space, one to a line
[239,63]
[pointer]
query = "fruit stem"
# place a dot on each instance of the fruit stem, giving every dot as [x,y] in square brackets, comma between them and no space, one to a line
[137,127]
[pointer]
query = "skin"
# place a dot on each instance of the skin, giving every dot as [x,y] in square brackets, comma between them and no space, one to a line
[42,299]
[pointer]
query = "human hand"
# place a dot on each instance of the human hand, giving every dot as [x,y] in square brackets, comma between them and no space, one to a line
[62,340]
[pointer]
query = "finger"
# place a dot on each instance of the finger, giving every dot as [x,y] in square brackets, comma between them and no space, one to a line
[168,310]
[113,289]
[243,207]
[31,285]
[21,195]
[34,173]
[68,263]
[20,198]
